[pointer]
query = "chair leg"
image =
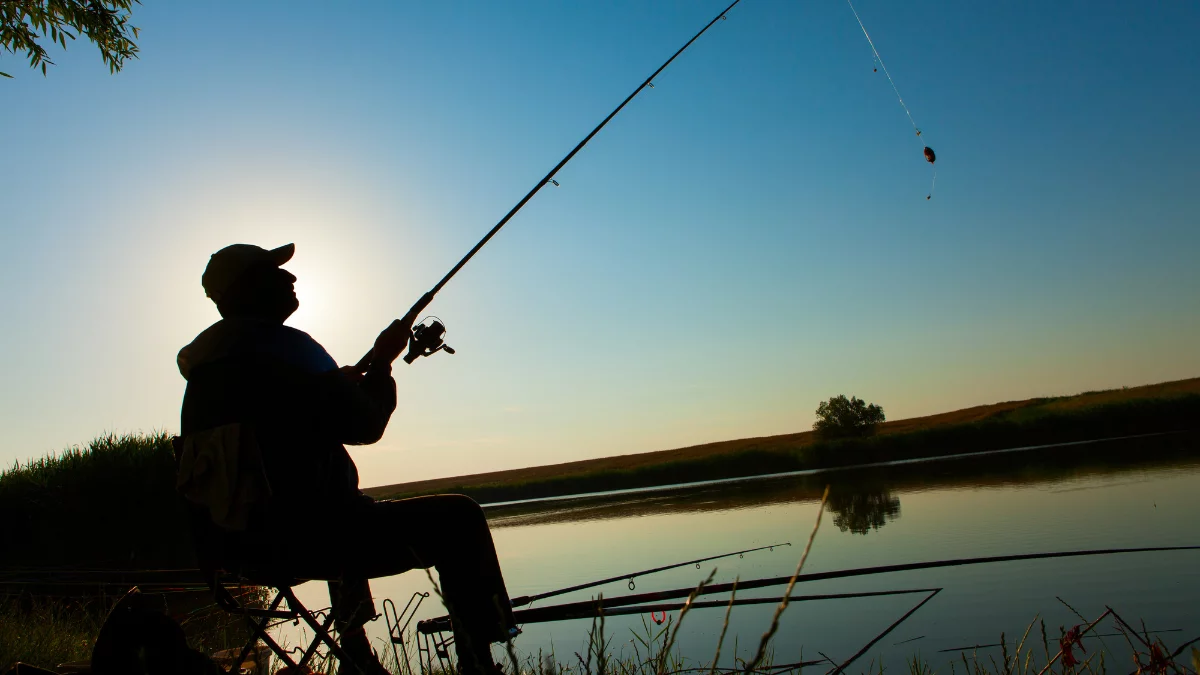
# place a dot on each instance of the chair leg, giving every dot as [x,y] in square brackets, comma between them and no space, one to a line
[258,629]
[323,636]
[320,630]
[260,633]
[257,632]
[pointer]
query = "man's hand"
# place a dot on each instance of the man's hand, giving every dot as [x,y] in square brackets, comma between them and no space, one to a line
[391,341]
[351,372]
[395,337]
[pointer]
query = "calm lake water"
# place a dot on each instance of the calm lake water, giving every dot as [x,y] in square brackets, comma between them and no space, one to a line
[1066,499]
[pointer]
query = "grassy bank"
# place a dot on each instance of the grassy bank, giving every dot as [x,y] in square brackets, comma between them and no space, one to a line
[1037,649]
[46,634]
[111,503]
[48,631]
[1159,408]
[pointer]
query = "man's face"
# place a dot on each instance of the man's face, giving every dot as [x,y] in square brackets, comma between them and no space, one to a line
[264,292]
[280,287]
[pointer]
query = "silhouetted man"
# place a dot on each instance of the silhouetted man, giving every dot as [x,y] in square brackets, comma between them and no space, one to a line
[284,395]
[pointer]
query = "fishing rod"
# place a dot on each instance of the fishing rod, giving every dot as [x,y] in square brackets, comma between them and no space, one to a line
[530,599]
[642,598]
[428,339]
[1093,635]
[588,610]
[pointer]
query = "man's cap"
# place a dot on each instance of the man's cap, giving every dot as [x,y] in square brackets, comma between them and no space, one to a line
[226,265]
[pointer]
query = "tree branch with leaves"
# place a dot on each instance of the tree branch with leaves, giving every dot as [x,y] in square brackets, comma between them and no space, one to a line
[841,417]
[25,24]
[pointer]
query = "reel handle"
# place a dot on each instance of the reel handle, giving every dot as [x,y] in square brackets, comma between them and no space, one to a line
[413,355]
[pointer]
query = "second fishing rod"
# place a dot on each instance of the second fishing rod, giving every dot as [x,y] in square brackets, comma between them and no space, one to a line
[429,338]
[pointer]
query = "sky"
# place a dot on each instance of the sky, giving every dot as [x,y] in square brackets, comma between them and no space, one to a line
[744,240]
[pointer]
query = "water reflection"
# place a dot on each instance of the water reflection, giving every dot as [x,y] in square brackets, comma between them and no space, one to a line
[1138,493]
[866,496]
[859,511]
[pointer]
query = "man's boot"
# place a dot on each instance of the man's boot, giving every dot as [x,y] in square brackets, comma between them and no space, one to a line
[363,660]
[473,644]
[475,657]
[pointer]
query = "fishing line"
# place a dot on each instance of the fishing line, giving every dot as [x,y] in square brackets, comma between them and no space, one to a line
[885,70]
[929,155]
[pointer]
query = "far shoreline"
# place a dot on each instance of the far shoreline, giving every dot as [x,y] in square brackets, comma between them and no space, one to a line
[656,489]
[1013,427]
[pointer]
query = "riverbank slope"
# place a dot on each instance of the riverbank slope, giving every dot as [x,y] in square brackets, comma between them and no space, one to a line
[1167,406]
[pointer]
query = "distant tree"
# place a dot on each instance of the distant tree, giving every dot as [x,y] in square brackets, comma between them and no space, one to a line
[105,22]
[841,417]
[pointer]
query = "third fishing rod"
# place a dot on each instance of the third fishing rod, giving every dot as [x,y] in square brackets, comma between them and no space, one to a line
[429,339]
[630,576]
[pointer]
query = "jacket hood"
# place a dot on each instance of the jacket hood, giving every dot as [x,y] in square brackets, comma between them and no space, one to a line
[214,343]
[252,336]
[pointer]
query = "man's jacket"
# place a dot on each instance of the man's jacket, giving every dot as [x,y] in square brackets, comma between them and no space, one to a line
[281,384]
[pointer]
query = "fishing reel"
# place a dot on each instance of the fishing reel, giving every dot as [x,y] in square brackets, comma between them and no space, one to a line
[427,339]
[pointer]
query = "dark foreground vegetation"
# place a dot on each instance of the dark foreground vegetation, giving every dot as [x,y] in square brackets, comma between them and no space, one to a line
[48,634]
[54,630]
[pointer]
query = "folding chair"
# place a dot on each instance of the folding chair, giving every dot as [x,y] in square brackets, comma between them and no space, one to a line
[283,608]
[220,557]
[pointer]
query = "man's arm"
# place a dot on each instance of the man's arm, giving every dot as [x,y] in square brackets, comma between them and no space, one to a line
[359,406]
[355,409]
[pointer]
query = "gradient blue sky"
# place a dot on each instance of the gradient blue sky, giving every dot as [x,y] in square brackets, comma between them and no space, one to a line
[744,240]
